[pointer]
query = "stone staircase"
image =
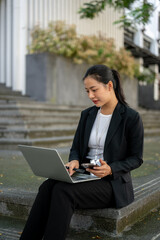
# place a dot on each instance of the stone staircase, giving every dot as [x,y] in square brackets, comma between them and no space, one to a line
[25,121]
[151,122]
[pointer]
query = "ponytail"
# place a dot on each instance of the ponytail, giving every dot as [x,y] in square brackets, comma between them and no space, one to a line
[117,87]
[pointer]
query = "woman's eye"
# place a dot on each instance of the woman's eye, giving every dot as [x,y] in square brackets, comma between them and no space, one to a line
[94,90]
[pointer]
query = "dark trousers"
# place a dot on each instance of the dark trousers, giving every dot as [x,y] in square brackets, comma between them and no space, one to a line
[55,203]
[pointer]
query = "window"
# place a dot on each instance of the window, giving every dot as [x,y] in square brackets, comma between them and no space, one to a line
[146,44]
[128,34]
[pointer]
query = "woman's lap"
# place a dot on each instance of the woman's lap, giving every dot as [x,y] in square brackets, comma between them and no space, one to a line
[90,194]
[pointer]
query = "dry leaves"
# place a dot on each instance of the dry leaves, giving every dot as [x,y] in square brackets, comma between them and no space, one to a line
[96,237]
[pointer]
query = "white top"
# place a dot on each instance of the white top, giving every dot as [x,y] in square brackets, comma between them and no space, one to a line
[98,135]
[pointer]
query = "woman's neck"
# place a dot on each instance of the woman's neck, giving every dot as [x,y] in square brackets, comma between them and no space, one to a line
[108,109]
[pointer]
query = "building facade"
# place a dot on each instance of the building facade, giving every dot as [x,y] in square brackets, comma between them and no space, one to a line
[144,43]
[17,19]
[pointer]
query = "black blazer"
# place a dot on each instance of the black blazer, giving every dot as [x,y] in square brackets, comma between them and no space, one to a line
[123,147]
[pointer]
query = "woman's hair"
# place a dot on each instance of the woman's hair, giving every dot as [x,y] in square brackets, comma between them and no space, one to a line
[103,74]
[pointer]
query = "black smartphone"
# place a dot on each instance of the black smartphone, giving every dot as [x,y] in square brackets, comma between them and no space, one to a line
[88,165]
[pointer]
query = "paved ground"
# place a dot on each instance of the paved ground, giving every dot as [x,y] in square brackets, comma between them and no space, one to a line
[15,174]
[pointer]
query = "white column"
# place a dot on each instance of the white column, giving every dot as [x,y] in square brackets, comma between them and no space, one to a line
[155,68]
[138,38]
[22,46]
[15,44]
[41,13]
[154,47]
[19,43]
[9,43]
[50,11]
[30,20]
[2,40]
[36,13]
[45,12]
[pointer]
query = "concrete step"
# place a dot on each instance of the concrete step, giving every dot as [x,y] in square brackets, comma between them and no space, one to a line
[151,132]
[107,221]
[53,132]
[151,121]
[42,109]
[153,117]
[38,132]
[38,123]
[50,106]
[151,125]
[34,115]
[11,101]
[39,107]
[50,121]
[10,98]
[3,87]
[51,142]
[148,112]
[4,92]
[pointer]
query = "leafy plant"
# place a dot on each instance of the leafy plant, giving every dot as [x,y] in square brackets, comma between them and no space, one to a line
[136,15]
[147,75]
[62,39]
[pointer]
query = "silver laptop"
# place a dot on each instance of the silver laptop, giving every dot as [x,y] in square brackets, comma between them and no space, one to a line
[47,163]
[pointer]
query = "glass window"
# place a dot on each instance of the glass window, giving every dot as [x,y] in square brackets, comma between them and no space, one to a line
[146,44]
[128,34]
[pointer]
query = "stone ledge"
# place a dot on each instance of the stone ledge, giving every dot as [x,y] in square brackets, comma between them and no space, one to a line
[17,204]
[113,221]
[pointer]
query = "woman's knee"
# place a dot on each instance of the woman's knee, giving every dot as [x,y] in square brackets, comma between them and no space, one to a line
[47,185]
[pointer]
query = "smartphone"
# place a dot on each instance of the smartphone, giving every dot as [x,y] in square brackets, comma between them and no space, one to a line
[88,165]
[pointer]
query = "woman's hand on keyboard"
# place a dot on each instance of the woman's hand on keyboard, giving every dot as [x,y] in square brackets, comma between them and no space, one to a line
[71,165]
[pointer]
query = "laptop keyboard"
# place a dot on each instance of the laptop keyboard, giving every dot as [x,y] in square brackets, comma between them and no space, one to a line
[79,176]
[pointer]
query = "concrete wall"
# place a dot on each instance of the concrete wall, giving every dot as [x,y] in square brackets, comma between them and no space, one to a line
[130,88]
[58,80]
[55,79]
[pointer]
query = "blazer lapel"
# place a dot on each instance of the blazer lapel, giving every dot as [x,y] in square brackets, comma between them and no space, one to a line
[115,121]
[89,124]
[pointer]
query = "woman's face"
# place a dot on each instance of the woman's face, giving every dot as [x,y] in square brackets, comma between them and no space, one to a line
[99,93]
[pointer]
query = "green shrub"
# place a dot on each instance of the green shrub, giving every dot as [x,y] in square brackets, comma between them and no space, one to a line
[62,39]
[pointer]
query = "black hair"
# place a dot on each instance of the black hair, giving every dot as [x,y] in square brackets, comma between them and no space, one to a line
[104,74]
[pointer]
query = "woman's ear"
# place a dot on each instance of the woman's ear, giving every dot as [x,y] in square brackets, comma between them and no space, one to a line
[110,85]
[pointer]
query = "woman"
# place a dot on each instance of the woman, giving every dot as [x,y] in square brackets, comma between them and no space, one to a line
[109,132]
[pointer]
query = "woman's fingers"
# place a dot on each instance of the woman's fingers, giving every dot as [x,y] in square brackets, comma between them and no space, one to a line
[97,173]
[71,165]
[100,171]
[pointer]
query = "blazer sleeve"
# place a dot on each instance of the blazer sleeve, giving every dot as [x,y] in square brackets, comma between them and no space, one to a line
[75,151]
[133,160]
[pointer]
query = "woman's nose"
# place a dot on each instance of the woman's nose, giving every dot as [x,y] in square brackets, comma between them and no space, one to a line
[90,95]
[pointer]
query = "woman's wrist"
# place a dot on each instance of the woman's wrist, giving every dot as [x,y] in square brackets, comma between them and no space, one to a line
[110,171]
